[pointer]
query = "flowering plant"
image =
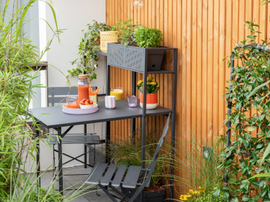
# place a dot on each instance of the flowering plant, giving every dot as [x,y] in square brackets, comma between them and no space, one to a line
[191,194]
[151,88]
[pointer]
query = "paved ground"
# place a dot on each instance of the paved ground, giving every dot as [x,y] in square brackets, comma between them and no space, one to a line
[75,181]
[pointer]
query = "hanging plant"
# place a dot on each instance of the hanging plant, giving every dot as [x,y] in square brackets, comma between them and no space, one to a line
[87,58]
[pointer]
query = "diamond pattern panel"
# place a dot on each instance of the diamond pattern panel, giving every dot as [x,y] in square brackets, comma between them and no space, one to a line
[131,58]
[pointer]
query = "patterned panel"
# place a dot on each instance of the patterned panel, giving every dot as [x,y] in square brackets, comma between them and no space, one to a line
[130,58]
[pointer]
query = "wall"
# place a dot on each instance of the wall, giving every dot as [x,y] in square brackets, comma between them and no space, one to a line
[72,16]
[204,31]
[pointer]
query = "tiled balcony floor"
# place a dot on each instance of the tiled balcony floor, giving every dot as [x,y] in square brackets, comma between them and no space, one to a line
[75,181]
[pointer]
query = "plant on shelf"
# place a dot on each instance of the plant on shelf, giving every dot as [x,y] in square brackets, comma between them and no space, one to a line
[148,37]
[152,88]
[126,32]
[87,57]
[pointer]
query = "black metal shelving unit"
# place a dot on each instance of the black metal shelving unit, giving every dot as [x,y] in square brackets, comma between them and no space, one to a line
[135,59]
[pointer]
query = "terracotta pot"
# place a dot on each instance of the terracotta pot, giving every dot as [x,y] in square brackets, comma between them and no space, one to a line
[151,101]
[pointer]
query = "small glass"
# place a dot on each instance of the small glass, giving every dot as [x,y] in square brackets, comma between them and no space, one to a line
[117,92]
[72,102]
[132,101]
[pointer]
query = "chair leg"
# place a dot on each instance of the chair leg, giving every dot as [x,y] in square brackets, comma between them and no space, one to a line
[53,162]
[107,192]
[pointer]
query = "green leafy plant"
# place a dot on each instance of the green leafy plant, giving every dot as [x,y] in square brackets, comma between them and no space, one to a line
[249,90]
[151,88]
[87,60]
[148,37]
[126,32]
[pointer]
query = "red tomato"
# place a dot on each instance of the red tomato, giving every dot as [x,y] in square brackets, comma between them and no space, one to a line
[84,99]
[82,103]
[91,102]
[88,100]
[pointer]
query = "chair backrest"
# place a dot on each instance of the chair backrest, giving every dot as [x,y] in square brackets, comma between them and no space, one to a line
[58,94]
[152,165]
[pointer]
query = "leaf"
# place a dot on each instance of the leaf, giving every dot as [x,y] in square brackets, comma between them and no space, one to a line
[46,113]
[251,128]
[266,153]
[257,89]
[217,192]
[260,175]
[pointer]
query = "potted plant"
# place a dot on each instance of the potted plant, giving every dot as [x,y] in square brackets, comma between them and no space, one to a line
[151,90]
[128,152]
[142,37]
[87,57]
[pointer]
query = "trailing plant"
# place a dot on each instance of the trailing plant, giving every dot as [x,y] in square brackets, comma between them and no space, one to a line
[148,37]
[248,92]
[151,88]
[87,60]
[126,32]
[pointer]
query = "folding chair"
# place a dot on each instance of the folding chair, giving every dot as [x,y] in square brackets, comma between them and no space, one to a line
[112,176]
[56,95]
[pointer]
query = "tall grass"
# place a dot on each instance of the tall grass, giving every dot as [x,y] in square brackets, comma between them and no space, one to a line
[17,56]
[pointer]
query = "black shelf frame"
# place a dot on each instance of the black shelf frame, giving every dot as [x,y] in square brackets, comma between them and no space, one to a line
[145,72]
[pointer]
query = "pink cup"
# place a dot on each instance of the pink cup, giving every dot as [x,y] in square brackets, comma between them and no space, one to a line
[110,102]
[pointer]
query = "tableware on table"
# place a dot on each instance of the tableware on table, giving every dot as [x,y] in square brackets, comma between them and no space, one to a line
[72,102]
[132,101]
[83,87]
[91,110]
[86,106]
[110,102]
[117,92]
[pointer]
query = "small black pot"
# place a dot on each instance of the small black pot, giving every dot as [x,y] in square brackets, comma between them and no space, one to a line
[157,196]
[155,58]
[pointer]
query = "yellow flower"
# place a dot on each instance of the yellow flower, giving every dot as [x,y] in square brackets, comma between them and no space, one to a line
[196,192]
[183,198]
[191,191]
[153,83]
[140,82]
[188,196]
[149,79]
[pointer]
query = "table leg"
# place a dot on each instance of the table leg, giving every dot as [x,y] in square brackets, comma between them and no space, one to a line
[85,147]
[38,157]
[108,135]
[60,162]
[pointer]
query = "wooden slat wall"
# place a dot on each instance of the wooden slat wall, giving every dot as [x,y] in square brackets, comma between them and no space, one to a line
[204,31]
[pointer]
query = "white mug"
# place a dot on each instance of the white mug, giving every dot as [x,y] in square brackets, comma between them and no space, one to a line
[110,102]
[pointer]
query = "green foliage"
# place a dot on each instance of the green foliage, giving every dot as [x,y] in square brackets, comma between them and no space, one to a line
[148,37]
[126,32]
[17,143]
[249,89]
[151,88]
[87,60]
[198,170]
[128,152]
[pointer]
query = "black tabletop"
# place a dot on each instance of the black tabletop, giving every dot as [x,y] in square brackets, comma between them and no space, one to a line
[53,117]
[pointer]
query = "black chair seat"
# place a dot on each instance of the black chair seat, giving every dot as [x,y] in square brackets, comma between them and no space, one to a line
[131,177]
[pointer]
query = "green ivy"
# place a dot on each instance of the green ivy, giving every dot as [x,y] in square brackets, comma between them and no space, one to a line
[247,90]
[87,60]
